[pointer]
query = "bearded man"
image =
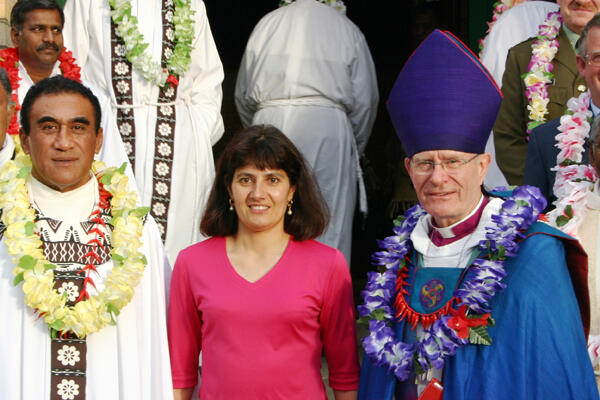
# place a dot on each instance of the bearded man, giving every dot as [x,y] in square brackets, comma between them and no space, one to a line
[84,275]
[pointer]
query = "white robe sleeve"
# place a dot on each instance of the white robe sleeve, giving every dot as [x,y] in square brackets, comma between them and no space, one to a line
[206,71]
[75,31]
[244,103]
[365,93]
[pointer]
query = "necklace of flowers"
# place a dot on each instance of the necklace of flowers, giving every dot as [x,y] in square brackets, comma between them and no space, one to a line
[9,60]
[573,178]
[444,334]
[499,8]
[539,72]
[337,4]
[135,47]
[35,272]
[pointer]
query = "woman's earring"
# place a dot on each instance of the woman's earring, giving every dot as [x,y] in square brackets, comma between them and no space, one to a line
[289,206]
[230,205]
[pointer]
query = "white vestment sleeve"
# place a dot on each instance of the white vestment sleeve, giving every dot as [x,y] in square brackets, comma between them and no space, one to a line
[206,70]
[75,30]
[244,103]
[365,94]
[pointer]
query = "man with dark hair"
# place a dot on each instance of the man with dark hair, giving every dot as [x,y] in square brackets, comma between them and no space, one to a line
[36,32]
[85,274]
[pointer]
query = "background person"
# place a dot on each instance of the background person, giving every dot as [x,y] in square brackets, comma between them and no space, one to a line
[308,71]
[261,299]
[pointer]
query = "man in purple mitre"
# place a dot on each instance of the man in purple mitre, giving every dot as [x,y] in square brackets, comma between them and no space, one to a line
[474,298]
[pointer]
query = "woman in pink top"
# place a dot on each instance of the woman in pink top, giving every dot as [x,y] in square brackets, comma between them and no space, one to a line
[261,298]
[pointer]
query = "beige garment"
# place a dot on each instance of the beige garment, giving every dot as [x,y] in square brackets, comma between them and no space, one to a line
[589,239]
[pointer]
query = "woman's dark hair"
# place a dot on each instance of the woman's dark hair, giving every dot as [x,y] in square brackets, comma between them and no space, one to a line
[264,146]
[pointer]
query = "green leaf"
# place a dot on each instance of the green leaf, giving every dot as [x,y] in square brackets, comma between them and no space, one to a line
[491,321]
[141,211]
[30,228]
[378,314]
[118,257]
[144,260]
[122,168]
[18,279]
[569,211]
[398,221]
[57,325]
[106,178]
[363,320]
[113,311]
[417,367]
[480,335]
[53,333]
[49,267]
[23,172]
[561,220]
[27,262]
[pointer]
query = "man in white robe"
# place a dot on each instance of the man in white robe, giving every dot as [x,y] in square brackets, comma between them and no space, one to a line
[169,138]
[36,32]
[127,360]
[308,71]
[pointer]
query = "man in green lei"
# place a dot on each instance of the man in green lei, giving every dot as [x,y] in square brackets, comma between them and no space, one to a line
[83,271]
[474,296]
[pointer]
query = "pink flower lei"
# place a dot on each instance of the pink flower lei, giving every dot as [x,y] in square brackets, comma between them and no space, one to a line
[539,72]
[573,178]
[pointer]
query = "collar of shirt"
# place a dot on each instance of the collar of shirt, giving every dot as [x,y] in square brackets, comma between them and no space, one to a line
[572,36]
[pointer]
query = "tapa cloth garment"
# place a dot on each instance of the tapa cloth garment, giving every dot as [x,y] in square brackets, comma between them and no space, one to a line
[324,98]
[126,361]
[197,107]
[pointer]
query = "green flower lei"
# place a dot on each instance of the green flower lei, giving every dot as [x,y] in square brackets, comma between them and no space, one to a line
[135,47]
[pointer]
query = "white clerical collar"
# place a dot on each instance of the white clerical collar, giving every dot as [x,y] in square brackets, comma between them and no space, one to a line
[75,205]
[447,231]
[27,79]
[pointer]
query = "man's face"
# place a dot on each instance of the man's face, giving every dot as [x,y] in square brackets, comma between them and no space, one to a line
[62,140]
[40,41]
[587,69]
[448,196]
[577,13]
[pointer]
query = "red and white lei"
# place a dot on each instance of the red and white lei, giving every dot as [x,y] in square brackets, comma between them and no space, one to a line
[9,60]
[539,72]
[573,178]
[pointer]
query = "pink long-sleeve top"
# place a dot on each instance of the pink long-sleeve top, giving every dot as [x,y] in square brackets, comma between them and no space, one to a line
[262,340]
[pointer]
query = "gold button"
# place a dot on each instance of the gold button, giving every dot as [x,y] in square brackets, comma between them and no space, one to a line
[581,88]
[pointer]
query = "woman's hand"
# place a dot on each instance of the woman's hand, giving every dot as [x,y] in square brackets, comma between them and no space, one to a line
[185,394]
[345,394]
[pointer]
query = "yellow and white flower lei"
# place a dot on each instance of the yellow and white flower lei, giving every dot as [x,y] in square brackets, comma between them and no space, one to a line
[36,272]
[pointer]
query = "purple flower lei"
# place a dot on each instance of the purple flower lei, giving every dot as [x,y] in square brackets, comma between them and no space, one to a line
[440,341]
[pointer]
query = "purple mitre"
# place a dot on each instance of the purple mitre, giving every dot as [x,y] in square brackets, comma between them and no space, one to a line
[444,98]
